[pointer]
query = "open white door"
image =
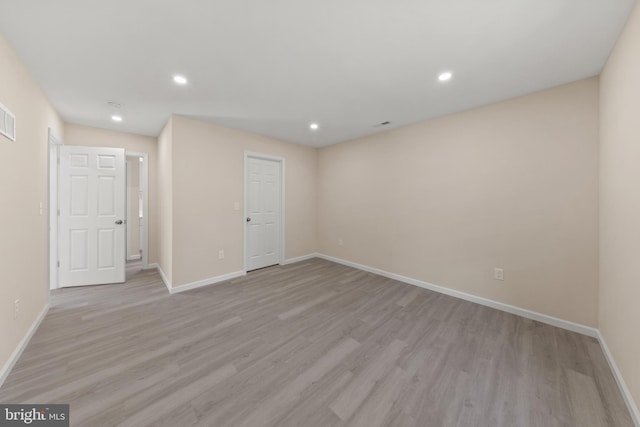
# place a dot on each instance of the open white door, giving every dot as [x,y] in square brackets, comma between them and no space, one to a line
[92,211]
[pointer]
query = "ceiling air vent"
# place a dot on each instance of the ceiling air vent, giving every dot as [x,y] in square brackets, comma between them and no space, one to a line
[7,123]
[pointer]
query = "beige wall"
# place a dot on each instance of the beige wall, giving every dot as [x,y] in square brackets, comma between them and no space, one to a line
[208,164]
[94,137]
[165,200]
[620,204]
[24,271]
[510,185]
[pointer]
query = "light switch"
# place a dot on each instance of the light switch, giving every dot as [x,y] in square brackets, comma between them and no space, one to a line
[40,208]
[236,206]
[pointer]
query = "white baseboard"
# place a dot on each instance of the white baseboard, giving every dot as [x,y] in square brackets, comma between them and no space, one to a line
[164,278]
[206,282]
[543,318]
[550,320]
[151,266]
[8,366]
[626,394]
[300,258]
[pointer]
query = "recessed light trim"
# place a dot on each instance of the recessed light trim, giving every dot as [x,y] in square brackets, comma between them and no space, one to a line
[445,76]
[116,118]
[181,80]
[314,126]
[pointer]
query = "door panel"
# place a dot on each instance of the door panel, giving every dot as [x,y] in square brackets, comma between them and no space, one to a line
[106,161]
[106,249]
[79,249]
[106,196]
[92,200]
[263,208]
[79,196]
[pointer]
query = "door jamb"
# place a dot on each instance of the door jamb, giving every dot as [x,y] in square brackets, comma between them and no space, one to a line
[127,208]
[53,143]
[281,234]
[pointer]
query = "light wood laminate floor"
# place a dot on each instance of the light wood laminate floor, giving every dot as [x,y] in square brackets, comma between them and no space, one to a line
[307,344]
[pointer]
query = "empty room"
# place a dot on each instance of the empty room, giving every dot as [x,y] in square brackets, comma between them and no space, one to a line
[295,213]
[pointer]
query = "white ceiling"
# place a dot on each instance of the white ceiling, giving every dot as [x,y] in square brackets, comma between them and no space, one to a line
[273,67]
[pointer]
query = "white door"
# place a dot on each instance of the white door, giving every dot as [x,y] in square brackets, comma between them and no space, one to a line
[92,211]
[263,205]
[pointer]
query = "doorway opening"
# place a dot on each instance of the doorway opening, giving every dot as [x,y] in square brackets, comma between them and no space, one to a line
[137,210]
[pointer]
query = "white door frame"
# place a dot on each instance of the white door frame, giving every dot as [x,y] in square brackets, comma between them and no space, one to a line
[127,213]
[53,142]
[281,235]
[144,187]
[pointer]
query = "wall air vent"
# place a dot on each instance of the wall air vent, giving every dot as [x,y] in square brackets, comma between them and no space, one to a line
[382,124]
[7,123]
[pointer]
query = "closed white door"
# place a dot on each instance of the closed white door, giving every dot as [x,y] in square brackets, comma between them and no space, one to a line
[263,206]
[92,236]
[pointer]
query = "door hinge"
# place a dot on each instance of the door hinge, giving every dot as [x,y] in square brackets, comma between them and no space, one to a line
[58,212]
[58,264]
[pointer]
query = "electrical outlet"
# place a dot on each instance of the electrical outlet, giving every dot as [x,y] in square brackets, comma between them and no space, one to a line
[220,254]
[498,273]
[340,242]
[16,308]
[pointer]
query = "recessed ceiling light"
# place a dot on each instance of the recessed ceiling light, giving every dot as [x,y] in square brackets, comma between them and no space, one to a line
[443,77]
[181,80]
[313,126]
[116,118]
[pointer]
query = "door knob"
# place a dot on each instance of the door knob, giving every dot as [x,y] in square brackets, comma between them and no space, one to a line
[248,219]
[119,222]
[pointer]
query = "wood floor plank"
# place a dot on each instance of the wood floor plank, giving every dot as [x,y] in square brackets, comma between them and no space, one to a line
[307,344]
[278,403]
[155,411]
[377,407]
[357,391]
[586,404]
